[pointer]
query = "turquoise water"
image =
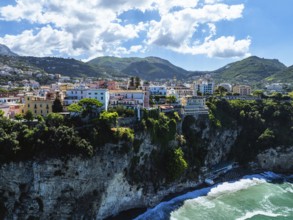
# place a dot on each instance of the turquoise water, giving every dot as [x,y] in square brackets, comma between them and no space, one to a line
[254,197]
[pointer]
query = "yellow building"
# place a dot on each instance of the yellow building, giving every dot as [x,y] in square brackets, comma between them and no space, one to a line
[242,89]
[39,105]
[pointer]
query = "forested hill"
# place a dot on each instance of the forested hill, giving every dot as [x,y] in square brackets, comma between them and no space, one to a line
[252,69]
[149,68]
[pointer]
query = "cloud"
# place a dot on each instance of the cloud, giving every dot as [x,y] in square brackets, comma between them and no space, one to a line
[176,29]
[223,47]
[89,27]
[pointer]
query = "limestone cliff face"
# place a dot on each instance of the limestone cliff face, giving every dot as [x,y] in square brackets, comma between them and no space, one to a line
[276,159]
[78,188]
[101,186]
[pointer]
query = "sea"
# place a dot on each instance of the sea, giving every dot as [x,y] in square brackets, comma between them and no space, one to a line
[257,197]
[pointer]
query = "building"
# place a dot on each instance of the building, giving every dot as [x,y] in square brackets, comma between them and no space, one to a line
[227,86]
[127,98]
[10,99]
[158,90]
[195,105]
[39,105]
[242,90]
[75,95]
[205,86]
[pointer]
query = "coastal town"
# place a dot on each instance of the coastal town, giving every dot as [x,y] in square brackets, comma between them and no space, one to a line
[187,98]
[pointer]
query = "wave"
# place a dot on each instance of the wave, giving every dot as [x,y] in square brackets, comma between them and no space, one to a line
[249,215]
[204,198]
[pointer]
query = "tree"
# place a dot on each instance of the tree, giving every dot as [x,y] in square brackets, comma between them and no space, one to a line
[74,107]
[221,90]
[18,117]
[40,118]
[54,119]
[1,113]
[109,118]
[89,106]
[57,105]
[277,96]
[258,93]
[176,164]
[171,99]
[137,82]
[29,116]
[131,83]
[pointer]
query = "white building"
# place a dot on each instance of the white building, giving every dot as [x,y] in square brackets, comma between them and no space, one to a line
[204,86]
[195,105]
[158,90]
[74,95]
[11,99]
[127,98]
[275,87]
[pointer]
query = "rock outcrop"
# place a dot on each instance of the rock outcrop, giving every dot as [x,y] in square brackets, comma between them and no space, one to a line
[77,188]
[278,159]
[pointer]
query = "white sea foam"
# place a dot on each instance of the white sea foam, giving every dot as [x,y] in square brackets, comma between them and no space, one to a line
[227,187]
[209,199]
[249,215]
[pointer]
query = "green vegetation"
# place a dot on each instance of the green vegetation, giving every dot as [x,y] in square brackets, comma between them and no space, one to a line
[285,75]
[167,161]
[262,124]
[176,164]
[252,69]
[57,105]
[87,107]
[146,68]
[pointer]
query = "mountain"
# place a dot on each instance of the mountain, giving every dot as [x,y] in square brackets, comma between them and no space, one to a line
[252,69]
[5,51]
[66,67]
[149,68]
[285,75]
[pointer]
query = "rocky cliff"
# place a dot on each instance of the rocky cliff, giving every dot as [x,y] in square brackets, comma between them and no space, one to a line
[78,188]
[104,185]
[278,159]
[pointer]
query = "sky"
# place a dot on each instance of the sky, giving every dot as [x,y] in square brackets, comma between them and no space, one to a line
[192,34]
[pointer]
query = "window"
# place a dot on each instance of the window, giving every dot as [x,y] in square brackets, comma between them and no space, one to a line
[35,111]
[40,105]
[102,98]
[28,105]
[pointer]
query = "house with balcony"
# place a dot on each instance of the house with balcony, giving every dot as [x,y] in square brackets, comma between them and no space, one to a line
[75,95]
[127,98]
[195,105]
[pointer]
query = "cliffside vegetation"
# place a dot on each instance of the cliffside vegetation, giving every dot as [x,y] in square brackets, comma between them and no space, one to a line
[263,124]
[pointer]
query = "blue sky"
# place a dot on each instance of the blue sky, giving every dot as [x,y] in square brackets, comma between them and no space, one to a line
[193,34]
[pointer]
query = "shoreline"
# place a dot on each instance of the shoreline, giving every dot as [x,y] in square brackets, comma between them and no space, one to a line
[232,175]
[229,176]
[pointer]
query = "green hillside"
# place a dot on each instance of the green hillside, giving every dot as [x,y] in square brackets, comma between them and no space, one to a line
[66,67]
[285,75]
[149,68]
[252,69]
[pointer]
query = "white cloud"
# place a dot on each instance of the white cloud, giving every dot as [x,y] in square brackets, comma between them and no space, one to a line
[176,29]
[89,27]
[221,47]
